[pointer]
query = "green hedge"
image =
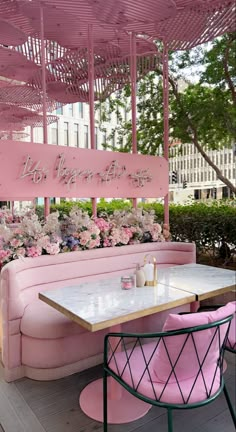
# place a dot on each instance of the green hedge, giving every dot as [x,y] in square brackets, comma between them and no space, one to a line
[206,225]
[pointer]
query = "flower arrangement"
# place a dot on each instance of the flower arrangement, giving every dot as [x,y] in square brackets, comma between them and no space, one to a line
[78,231]
[8,216]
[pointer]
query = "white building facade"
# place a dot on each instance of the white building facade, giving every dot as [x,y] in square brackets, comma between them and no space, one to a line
[190,169]
[72,127]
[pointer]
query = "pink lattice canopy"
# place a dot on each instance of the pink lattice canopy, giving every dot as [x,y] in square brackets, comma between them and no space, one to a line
[180,24]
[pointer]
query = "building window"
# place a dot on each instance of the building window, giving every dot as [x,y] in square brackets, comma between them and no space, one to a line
[225,158]
[70,109]
[81,109]
[76,135]
[96,137]
[59,110]
[209,175]
[66,133]
[54,133]
[86,140]
[230,157]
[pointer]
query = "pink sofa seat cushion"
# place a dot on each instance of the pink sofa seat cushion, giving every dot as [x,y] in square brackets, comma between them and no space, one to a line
[195,346]
[41,321]
[134,372]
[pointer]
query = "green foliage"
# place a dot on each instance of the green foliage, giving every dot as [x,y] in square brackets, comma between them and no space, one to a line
[206,225]
[102,206]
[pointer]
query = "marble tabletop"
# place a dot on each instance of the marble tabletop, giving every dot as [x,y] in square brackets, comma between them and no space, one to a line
[204,281]
[101,304]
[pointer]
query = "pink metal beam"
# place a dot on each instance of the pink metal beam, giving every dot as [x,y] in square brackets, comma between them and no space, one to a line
[91,98]
[133,73]
[133,77]
[32,134]
[166,122]
[45,130]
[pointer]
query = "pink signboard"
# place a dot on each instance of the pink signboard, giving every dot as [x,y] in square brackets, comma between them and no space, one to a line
[39,170]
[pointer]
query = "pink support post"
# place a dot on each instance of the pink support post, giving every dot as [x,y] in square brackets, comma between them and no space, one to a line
[166,123]
[133,77]
[45,130]
[91,99]
[31,134]
[12,209]
[122,406]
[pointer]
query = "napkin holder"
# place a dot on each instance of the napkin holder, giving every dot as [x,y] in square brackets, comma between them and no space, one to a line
[150,270]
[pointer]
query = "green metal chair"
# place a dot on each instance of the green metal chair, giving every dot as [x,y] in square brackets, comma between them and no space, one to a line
[231,340]
[179,369]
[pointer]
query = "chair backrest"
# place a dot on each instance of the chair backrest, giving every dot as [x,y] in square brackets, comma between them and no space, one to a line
[187,350]
[231,341]
[182,365]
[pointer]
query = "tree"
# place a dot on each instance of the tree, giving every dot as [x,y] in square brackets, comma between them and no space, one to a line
[204,113]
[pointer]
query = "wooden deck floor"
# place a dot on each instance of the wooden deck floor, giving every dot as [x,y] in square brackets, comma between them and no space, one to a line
[33,406]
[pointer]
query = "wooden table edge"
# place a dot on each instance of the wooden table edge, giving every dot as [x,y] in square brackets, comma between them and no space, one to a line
[118,320]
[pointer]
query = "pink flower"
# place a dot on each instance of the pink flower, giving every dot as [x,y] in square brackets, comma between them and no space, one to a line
[106,242]
[102,224]
[53,248]
[156,228]
[93,244]
[128,232]
[20,252]
[4,255]
[44,241]
[18,231]
[85,237]
[15,242]
[33,251]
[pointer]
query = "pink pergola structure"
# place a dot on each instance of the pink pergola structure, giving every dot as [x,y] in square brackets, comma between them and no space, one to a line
[58,52]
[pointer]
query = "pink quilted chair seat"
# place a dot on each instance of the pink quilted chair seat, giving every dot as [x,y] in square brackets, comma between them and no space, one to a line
[181,367]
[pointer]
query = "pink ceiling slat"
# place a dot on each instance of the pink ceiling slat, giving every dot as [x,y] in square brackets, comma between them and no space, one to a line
[69,74]
[15,66]
[16,118]
[122,12]
[182,24]
[11,35]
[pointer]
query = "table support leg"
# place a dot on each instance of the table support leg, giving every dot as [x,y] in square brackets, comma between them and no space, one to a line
[122,406]
[194,306]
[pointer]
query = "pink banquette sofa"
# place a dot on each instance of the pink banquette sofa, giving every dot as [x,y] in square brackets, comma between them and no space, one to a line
[40,342]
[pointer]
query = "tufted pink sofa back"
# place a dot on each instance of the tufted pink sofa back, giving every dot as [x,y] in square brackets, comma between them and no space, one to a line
[22,280]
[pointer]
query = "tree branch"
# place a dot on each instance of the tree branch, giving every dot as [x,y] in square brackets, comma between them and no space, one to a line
[226,68]
[195,138]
